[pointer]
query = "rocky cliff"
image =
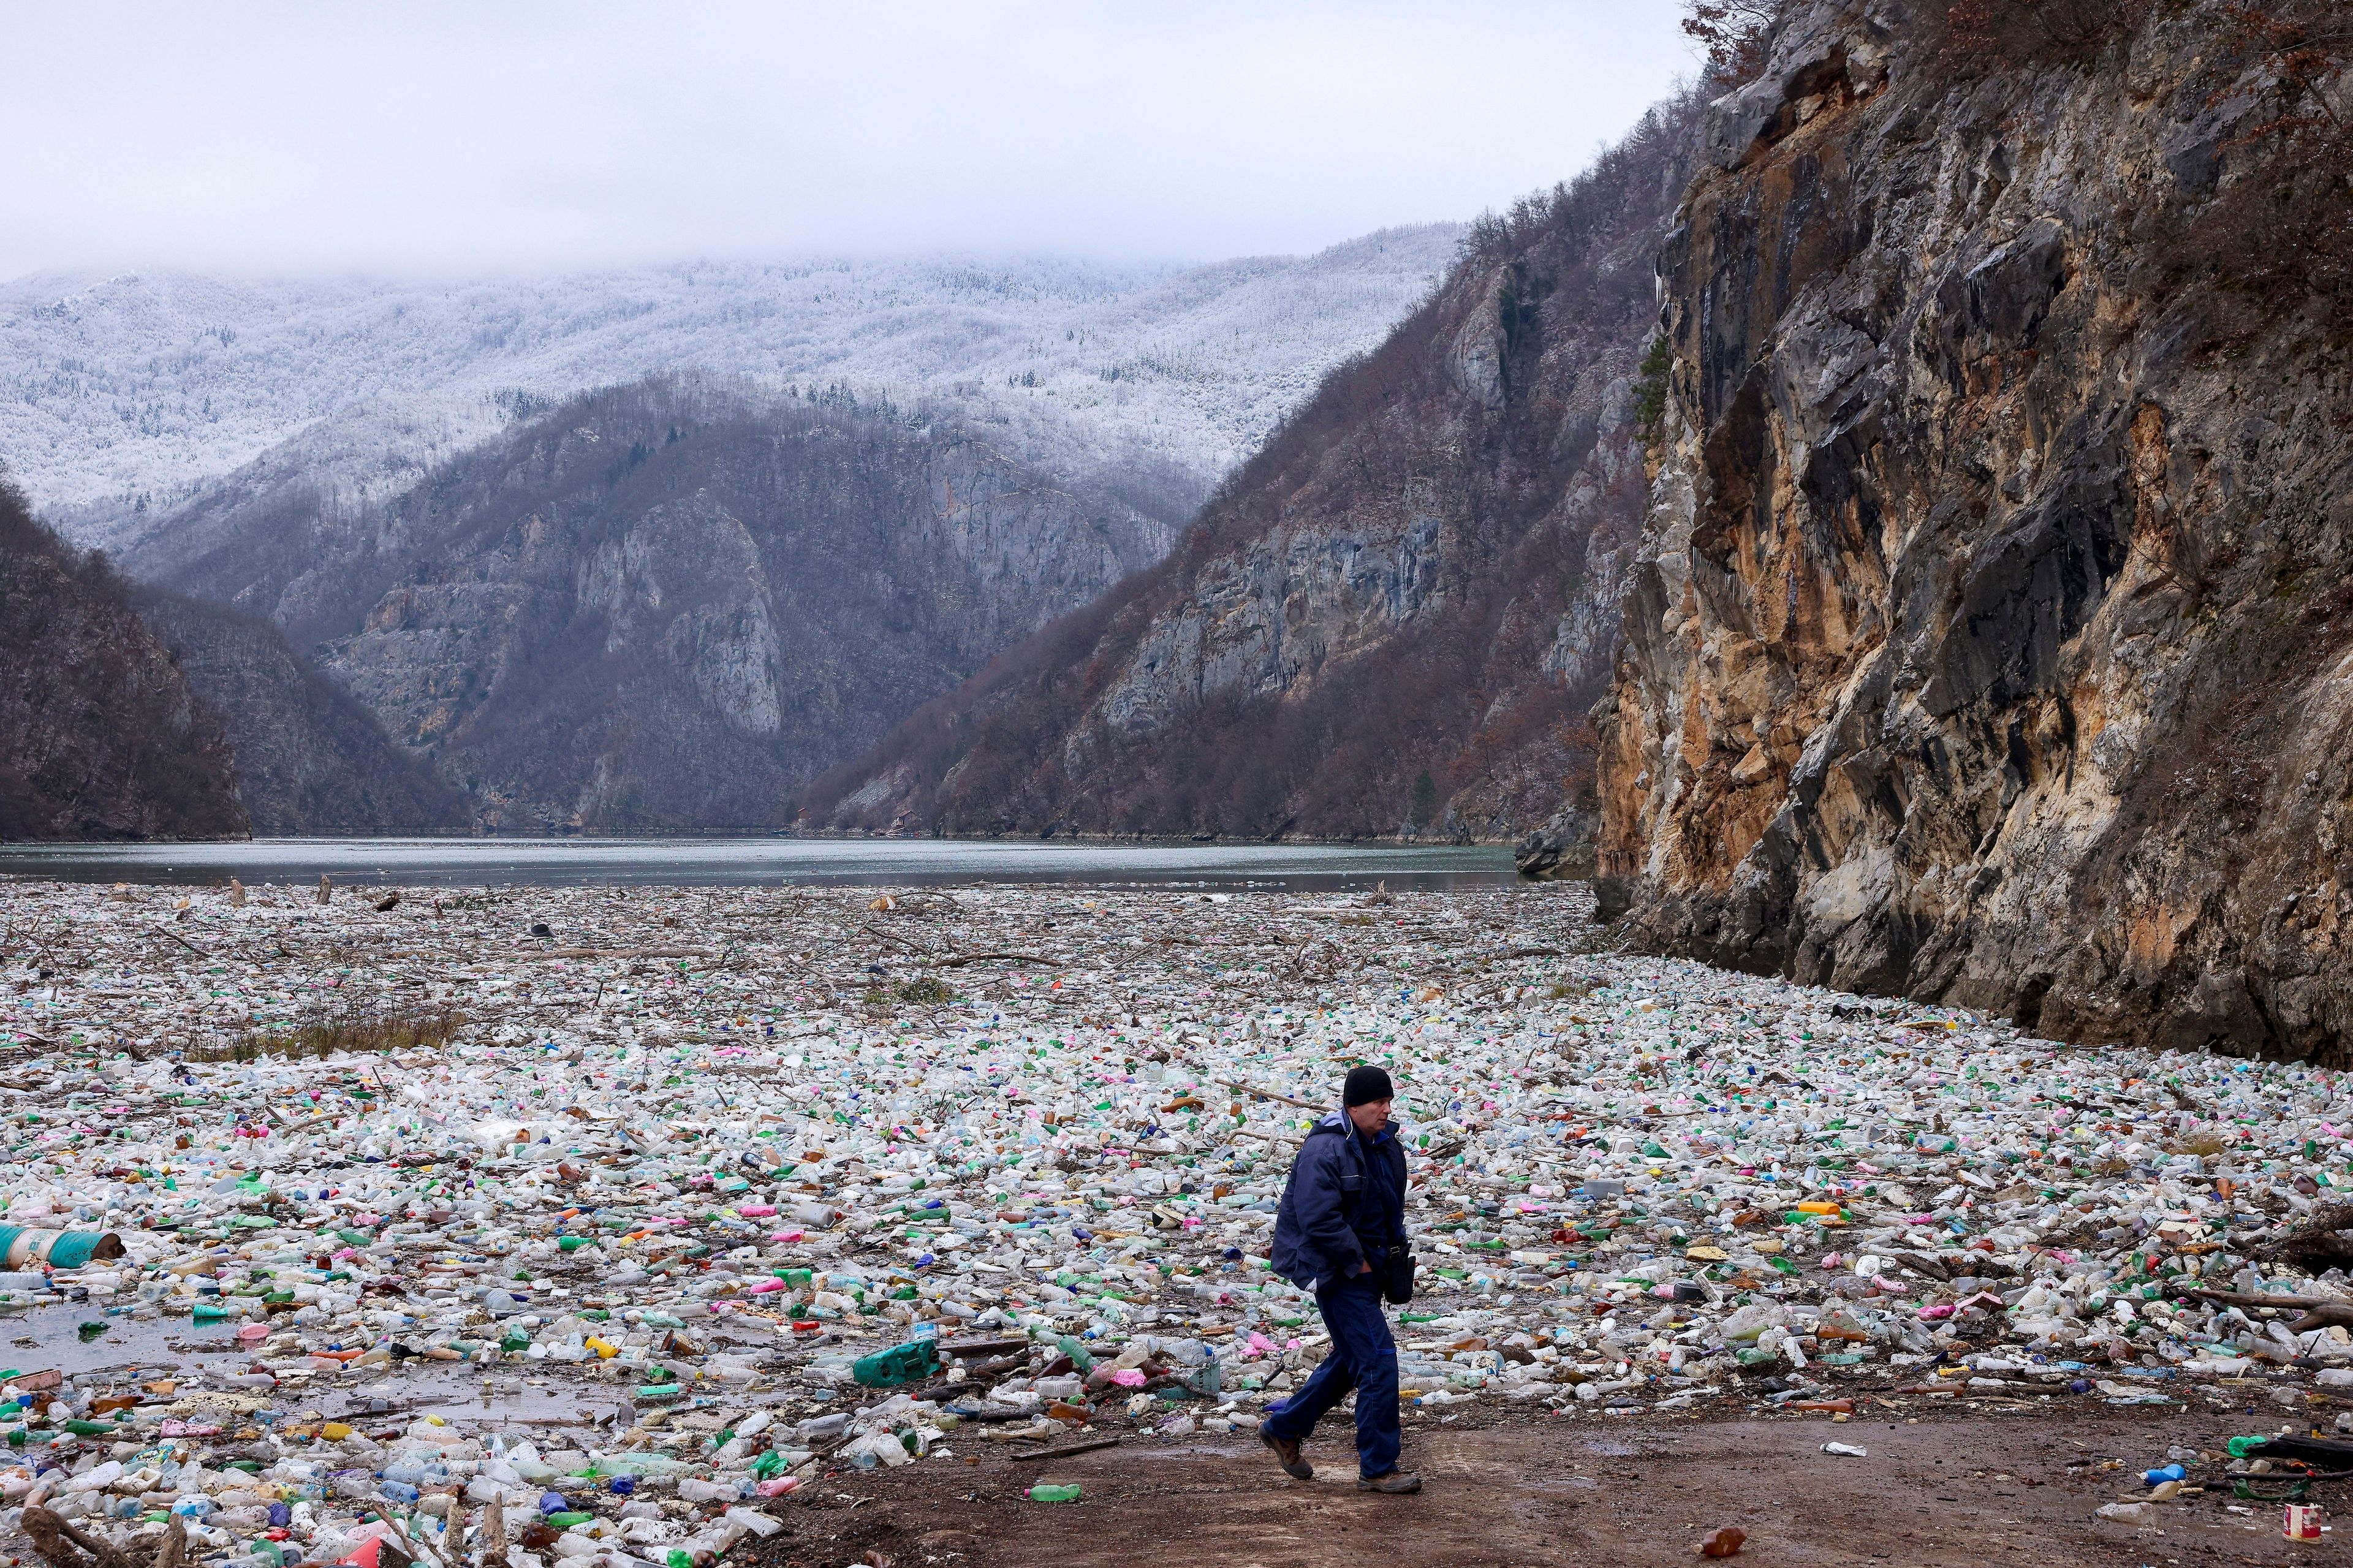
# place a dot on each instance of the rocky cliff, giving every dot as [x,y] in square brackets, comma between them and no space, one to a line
[100,736]
[663,607]
[1991,638]
[310,759]
[1391,618]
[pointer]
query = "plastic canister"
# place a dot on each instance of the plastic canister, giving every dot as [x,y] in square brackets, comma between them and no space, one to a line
[909,1363]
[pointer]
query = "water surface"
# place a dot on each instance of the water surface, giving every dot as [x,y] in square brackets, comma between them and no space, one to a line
[543,862]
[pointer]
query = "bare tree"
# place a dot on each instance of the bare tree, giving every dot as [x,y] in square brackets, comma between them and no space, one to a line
[1732,35]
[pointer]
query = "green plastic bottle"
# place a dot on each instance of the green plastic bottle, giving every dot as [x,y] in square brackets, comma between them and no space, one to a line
[1046,1493]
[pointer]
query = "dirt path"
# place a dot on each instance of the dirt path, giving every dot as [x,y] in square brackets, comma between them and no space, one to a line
[1965,1492]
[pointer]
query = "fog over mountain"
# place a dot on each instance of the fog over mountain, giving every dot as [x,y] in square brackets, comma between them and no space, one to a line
[122,396]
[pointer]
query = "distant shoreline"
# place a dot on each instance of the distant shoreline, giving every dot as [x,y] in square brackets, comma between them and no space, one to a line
[756,862]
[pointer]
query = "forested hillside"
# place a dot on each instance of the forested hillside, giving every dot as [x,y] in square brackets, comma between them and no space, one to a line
[100,736]
[1393,616]
[310,759]
[665,606]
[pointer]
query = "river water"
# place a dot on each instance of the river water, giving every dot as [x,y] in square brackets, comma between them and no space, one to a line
[477,862]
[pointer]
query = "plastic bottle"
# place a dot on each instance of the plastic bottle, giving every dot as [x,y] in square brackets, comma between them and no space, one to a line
[642,1464]
[1045,1491]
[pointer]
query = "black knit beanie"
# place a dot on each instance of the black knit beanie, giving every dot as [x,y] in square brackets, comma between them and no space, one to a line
[1366,1085]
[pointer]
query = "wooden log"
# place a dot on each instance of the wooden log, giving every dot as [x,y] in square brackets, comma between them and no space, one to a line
[494,1535]
[2319,1312]
[48,1537]
[52,1532]
[1067,1449]
[2319,1243]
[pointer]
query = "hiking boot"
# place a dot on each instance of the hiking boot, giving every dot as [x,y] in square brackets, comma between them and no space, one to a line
[1287,1450]
[1398,1481]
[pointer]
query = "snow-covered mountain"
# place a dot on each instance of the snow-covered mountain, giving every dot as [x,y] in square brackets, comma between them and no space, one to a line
[120,397]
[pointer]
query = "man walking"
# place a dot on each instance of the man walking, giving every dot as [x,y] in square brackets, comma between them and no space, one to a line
[1340,1228]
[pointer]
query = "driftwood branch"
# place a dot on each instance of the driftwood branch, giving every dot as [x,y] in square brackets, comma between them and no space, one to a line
[1269,1094]
[494,1534]
[547,952]
[1066,1450]
[54,1538]
[2244,1299]
[959,960]
[416,1548]
[1926,1263]
[184,941]
[870,929]
[2318,1243]
[2319,1312]
[827,1451]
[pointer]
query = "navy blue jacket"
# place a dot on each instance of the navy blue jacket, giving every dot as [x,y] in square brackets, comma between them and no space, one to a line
[1345,1205]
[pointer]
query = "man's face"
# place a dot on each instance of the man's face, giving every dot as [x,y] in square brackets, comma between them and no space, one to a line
[1371,1116]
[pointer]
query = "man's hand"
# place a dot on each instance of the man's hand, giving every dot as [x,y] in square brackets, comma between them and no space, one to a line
[1363,1266]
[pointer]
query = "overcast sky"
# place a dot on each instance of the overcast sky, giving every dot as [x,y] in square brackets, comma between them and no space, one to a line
[417,136]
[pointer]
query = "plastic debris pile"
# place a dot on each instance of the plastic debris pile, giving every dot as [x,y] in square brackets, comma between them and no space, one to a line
[784,1179]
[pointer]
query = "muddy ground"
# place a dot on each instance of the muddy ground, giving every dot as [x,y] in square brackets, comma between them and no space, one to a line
[1957,1488]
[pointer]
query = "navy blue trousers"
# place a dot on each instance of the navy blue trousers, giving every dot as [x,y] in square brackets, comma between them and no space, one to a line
[1364,1357]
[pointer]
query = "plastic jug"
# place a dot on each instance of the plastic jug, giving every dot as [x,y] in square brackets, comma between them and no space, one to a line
[909,1363]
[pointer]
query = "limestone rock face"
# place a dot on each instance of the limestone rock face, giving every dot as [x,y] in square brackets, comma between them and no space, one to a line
[1990,638]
